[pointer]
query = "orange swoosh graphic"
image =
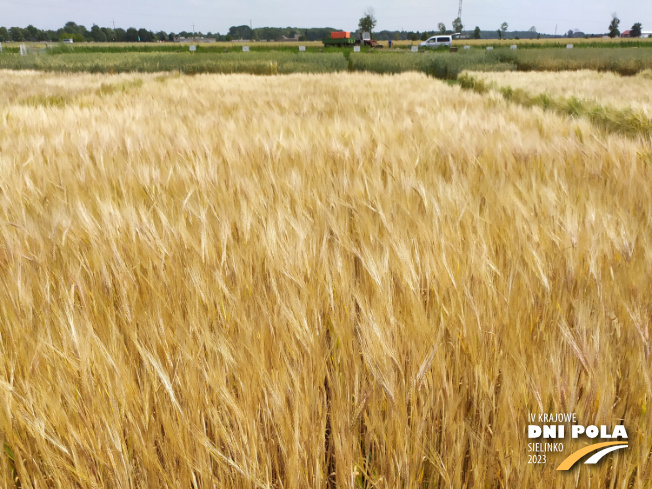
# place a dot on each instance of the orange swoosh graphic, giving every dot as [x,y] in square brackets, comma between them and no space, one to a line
[575,456]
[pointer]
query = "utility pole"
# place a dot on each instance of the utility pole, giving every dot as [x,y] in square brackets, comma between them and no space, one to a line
[193,31]
[459,11]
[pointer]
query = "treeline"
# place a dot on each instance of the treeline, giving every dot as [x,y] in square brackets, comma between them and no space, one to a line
[80,33]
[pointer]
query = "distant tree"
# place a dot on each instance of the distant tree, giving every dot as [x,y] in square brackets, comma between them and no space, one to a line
[476,33]
[533,31]
[368,21]
[424,36]
[83,32]
[613,26]
[442,28]
[500,34]
[503,28]
[240,32]
[120,35]
[71,27]
[4,34]
[569,33]
[171,37]
[457,25]
[109,33]
[31,33]
[413,36]
[16,34]
[145,36]
[132,35]
[636,30]
[97,35]
[95,32]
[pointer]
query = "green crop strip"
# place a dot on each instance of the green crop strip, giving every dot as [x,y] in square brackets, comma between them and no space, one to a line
[440,64]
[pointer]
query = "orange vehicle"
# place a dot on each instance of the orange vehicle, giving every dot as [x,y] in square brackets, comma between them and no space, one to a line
[342,39]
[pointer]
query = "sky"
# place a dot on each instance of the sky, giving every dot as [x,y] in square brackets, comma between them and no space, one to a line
[591,16]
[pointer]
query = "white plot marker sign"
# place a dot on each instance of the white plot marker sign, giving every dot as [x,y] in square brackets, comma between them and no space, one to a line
[490,48]
[467,47]
[513,47]
[193,48]
[23,50]
[245,49]
[302,48]
[356,49]
[415,49]
[569,46]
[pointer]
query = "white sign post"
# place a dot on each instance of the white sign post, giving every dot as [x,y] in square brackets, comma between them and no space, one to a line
[23,50]
[513,47]
[356,49]
[490,48]
[415,49]
[302,48]
[467,47]
[193,48]
[569,46]
[245,49]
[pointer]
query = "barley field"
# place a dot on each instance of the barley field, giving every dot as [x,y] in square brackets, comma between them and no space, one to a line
[310,281]
[610,89]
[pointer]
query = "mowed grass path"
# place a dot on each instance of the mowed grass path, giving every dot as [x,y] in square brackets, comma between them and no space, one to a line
[342,280]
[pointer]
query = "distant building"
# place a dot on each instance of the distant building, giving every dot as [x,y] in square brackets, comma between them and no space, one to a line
[644,34]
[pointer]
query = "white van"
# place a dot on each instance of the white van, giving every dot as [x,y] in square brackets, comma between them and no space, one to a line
[437,41]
